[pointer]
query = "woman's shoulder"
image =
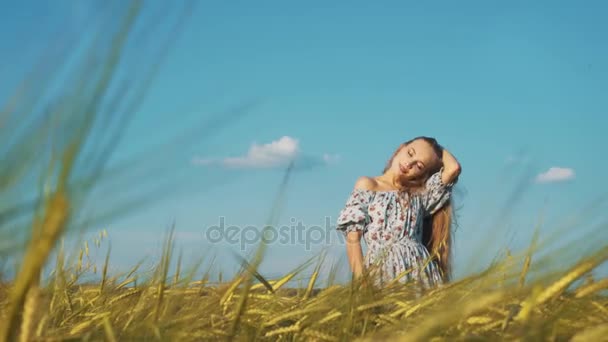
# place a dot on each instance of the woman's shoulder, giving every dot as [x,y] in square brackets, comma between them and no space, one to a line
[366,183]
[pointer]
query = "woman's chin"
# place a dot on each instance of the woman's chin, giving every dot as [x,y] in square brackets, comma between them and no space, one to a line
[402,177]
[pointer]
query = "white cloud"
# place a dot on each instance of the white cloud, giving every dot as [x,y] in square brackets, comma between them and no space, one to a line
[274,154]
[278,152]
[555,174]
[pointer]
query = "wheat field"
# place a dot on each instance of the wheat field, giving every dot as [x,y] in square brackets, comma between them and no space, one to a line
[498,304]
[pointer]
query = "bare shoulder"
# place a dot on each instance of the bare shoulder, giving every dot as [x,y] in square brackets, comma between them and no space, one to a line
[366,183]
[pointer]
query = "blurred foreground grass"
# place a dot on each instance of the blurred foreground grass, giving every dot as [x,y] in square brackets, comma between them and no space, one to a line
[497,304]
[56,145]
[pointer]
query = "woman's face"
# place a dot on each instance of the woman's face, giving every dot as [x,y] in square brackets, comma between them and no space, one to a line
[415,159]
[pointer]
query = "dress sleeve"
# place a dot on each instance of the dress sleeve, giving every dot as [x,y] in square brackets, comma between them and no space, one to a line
[436,194]
[354,215]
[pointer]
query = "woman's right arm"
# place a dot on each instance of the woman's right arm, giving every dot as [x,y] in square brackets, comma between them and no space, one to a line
[354,253]
[353,239]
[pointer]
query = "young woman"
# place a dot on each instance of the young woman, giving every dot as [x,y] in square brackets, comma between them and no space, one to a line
[404,216]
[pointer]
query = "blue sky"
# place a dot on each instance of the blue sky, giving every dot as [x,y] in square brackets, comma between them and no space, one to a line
[349,81]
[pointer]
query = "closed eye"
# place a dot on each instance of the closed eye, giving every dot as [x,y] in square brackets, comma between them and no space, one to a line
[412,153]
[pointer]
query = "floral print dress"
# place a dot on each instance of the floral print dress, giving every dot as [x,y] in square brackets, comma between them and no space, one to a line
[393,231]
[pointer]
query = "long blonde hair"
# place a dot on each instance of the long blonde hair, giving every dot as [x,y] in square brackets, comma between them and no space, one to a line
[437,229]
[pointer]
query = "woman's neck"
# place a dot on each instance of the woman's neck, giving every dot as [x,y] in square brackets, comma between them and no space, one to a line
[390,178]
